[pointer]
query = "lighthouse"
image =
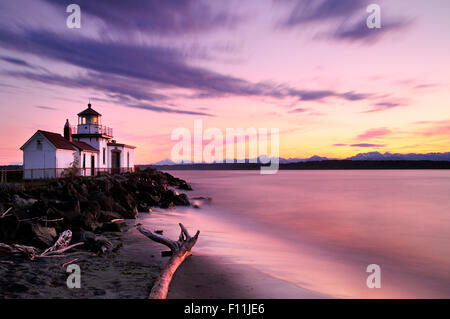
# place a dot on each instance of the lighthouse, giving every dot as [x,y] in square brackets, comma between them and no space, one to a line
[90,144]
[90,131]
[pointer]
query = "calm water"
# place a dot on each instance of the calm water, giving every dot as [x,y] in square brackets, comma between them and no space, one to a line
[320,229]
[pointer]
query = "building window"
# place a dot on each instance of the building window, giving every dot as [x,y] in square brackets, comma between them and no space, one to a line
[104,156]
[84,160]
[128,159]
[39,145]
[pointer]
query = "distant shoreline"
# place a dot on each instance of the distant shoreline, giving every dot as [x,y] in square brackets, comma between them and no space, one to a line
[312,165]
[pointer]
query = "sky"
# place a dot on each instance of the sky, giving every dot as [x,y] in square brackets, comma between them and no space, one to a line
[312,69]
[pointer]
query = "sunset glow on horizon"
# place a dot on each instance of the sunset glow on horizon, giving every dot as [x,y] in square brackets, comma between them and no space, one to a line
[333,87]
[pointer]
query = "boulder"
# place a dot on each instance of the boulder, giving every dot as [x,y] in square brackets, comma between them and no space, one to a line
[181,200]
[43,236]
[184,186]
[22,203]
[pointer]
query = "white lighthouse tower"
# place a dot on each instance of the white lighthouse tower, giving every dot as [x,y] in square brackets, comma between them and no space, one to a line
[112,155]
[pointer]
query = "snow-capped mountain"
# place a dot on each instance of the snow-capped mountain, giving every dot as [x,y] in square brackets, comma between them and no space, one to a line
[377,156]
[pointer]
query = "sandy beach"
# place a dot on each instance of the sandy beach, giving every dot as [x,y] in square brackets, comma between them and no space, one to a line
[129,273]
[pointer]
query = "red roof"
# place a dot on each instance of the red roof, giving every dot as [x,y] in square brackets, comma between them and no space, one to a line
[57,140]
[61,143]
[84,146]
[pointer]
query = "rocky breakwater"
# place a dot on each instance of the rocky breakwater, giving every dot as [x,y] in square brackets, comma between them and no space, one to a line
[87,206]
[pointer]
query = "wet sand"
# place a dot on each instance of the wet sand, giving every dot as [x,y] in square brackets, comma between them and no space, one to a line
[208,276]
[215,278]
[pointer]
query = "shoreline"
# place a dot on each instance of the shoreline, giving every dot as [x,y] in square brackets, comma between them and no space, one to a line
[210,276]
[129,274]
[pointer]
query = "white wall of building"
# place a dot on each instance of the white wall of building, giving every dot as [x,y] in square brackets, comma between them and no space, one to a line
[85,163]
[39,155]
[129,151]
[126,156]
[64,160]
[98,143]
[103,145]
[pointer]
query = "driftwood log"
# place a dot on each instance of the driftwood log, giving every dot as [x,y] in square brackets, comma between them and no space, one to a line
[60,246]
[180,250]
[28,252]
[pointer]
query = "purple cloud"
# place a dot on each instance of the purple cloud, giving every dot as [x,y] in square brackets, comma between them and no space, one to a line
[15,61]
[340,16]
[144,69]
[360,32]
[298,110]
[383,106]
[49,108]
[426,85]
[368,145]
[320,10]
[172,17]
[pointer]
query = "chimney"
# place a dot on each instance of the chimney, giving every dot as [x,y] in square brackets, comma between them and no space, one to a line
[68,131]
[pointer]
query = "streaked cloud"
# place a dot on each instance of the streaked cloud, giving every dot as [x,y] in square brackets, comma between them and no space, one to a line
[298,110]
[383,106]
[374,133]
[158,17]
[314,11]
[360,32]
[146,70]
[367,145]
[338,18]
[49,108]
[16,61]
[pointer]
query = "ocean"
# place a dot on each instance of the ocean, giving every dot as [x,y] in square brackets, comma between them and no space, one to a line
[320,230]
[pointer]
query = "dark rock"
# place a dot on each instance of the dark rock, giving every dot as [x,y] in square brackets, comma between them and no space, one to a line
[106,202]
[104,244]
[181,200]
[118,226]
[84,204]
[166,253]
[107,216]
[167,204]
[92,242]
[43,236]
[184,186]
[69,210]
[22,203]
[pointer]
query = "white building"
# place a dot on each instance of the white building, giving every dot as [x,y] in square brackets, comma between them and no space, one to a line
[90,145]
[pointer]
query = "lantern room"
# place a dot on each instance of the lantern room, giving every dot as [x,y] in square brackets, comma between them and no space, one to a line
[89,116]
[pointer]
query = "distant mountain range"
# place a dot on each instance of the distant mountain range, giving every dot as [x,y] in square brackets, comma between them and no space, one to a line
[371,156]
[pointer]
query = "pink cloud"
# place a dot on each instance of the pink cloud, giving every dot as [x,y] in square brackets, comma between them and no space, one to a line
[435,128]
[374,133]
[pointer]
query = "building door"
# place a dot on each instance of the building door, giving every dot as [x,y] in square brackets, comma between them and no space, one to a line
[115,162]
[92,165]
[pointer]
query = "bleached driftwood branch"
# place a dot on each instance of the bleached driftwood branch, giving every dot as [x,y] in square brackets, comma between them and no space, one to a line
[5,213]
[60,246]
[180,250]
[18,250]
[62,242]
